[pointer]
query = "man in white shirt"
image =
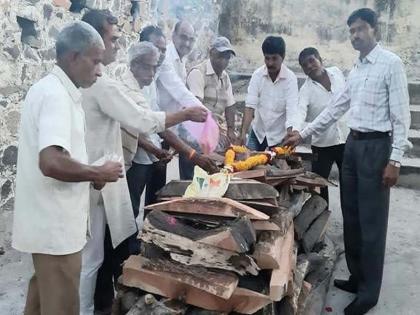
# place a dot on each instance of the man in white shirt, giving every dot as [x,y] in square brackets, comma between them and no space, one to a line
[272,98]
[107,106]
[172,93]
[315,94]
[379,118]
[53,175]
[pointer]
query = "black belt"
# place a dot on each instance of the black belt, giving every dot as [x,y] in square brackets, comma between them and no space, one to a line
[357,135]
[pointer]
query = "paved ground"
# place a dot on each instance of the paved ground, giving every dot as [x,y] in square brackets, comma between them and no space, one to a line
[401,285]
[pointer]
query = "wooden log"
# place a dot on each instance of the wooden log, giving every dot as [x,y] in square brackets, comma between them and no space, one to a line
[268,252]
[280,277]
[312,208]
[149,305]
[313,179]
[295,202]
[258,174]
[181,247]
[303,297]
[242,189]
[284,173]
[223,207]
[265,226]
[283,219]
[162,283]
[221,284]
[238,236]
[316,232]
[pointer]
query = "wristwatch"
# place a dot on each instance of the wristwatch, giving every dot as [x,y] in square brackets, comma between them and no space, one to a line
[395,163]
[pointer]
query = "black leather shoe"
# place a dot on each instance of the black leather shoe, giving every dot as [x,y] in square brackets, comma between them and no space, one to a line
[346,285]
[358,307]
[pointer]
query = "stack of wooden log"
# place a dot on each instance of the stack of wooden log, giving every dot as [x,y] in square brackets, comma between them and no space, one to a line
[238,253]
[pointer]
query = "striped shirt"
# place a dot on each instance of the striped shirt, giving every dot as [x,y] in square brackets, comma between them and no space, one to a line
[377,98]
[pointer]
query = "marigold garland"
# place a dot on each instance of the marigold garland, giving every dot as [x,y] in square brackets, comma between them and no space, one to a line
[252,161]
[229,157]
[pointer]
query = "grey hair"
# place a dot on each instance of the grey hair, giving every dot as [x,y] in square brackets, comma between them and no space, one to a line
[77,37]
[141,49]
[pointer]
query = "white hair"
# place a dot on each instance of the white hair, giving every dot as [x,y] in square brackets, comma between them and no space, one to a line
[138,50]
[77,37]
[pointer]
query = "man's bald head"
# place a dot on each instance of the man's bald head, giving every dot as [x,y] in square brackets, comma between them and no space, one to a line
[183,37]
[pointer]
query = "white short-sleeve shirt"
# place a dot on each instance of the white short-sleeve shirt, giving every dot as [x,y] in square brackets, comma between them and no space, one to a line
[50,216]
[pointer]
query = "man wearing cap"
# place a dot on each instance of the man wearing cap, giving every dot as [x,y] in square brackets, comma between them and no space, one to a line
[210,83]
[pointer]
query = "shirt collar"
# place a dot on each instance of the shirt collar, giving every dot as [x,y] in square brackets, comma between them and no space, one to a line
[73,91]
[373,55]
[130,81]
[174,53]
[210,70]
[282,74]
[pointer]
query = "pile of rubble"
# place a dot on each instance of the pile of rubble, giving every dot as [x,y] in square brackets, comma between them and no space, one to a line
[259,249]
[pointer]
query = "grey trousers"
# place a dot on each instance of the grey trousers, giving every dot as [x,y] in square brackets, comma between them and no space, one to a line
[365,206]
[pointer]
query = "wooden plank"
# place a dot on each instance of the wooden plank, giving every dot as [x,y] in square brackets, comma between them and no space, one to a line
[280,277]
[182,248]
[284,173]
[163,283]
[223,207]
[268,252]
[258,174]
[312,179]
[306,289]
[312,208]
[138,271]
[265,226]
[238,236]
[242,189]
[316,231]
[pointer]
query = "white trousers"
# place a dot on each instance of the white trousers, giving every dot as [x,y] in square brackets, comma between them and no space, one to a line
[92,258]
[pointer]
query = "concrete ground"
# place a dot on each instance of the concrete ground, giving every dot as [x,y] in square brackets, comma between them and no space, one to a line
[401,285]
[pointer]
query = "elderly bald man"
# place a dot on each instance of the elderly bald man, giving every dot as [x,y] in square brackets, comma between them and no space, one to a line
[53,175]
[107,106]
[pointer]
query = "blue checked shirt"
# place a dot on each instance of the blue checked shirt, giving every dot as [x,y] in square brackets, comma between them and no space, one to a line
[376,96]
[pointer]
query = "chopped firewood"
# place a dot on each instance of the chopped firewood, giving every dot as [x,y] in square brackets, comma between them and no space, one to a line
[141,273]
[288,173]
[149,305]
[289,305]
[265,226]
[238,236]
[312,208]
[258,174]
[280,277]
[223,207]
[295,202]
[283,219]
[312,179]
[242,189]
[304,293]
[177,239]
[163,283]
[268,249]
[315,232]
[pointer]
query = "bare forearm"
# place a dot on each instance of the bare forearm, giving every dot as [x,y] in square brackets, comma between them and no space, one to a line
[175,142]
[147,145]
[173,119]
[61,166]
[230,117]
[247,119]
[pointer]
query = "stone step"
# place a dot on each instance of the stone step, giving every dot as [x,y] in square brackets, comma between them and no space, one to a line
[409,174]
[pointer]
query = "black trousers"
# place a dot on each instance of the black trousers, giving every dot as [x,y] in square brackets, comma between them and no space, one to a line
[323,159]
[365,206]
[139,176]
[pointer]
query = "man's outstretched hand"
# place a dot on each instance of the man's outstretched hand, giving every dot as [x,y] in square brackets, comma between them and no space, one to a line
[292,139]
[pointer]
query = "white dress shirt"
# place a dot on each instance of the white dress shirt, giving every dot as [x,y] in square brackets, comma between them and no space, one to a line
[377,96]
[313,98]
[275,103]
[50,216]
[178,63]
[107,107]
[172,91]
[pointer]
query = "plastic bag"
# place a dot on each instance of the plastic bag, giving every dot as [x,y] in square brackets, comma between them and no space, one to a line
[206,134]
[208,186]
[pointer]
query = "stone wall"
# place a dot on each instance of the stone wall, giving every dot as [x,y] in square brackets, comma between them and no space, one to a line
[28,29]
[318,23]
